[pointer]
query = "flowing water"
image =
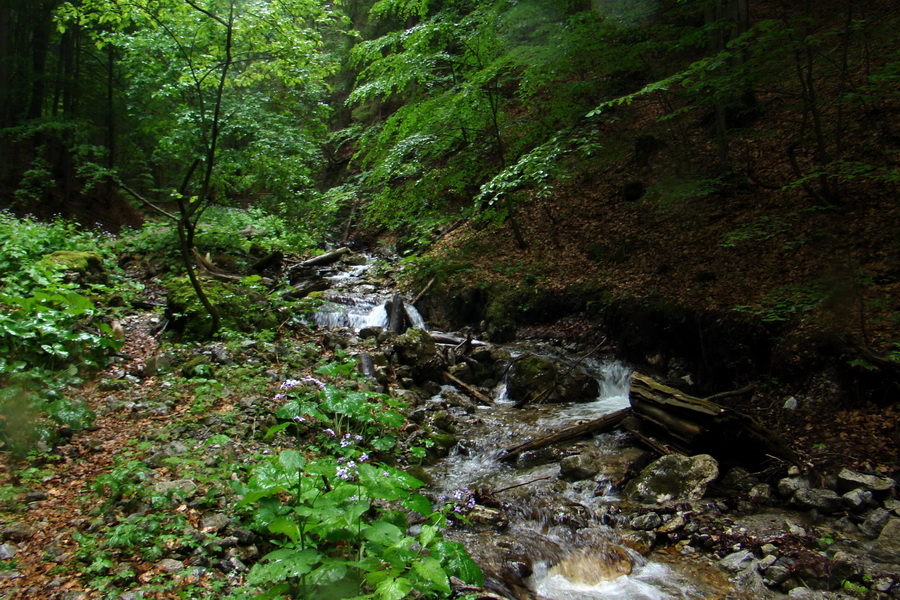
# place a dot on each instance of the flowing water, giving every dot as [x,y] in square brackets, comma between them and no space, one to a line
[550,541]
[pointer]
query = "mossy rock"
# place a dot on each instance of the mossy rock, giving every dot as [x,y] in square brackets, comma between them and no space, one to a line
[240,308]
[86,267]
[532,377]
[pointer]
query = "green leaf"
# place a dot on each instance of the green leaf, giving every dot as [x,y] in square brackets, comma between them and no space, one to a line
[383,533]
[281,564]
[432,570]
[276,428]
[393,589]
[455,559]
[287,527]
[291,461]
[418,503]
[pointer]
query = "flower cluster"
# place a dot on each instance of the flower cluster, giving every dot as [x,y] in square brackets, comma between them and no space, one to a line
[461,499]
[289,384]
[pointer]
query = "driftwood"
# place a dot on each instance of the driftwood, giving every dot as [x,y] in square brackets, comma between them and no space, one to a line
[305,288]
[423,292]
[325,259]
[694,425]
[601,425]
[453,340]
[469,389]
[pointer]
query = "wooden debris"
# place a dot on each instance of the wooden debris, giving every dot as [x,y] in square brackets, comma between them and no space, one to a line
[601,425]
[325,259]
[695,425]
[469,389]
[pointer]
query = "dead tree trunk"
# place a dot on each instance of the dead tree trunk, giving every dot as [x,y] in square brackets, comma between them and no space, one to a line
[694,425]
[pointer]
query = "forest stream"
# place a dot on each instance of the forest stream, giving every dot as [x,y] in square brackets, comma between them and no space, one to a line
[532,532]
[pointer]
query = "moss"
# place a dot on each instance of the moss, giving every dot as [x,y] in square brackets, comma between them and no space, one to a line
[240,308]
[87,265]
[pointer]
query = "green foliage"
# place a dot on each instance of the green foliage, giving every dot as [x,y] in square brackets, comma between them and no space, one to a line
[46,321]
[241,308]
[328,514]
[32,411]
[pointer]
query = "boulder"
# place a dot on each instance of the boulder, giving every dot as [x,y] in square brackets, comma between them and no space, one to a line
[541,379]
[674,478]
[826,501]
[851,480]
[82,268]
[887,547]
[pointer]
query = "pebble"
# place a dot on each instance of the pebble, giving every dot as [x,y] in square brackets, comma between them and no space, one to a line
[7,551]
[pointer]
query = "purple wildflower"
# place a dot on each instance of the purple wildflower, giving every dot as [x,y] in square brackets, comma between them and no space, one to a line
[280,396]
[314,381]
[289,383]
[299,419]
[330,432]
[363,457]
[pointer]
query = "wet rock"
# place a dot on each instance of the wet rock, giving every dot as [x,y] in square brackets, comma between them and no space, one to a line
[641,542]
[81,268]
[647,522]
[531,376]
[858,499]
[674,524]
[181,487]
[826,501]
[674,478]
[875,522]
[738,561]
[776,574]
[35,496]
[214,523]
[844,567]
[887,547]
[16,532]
[231,565]
[789,486]
[849,480]
[415,347]
[370,332]
[483,515]
[170,565]
[761,493]
[581,466]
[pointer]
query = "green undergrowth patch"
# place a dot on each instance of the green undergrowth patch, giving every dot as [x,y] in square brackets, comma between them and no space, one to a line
[306,473]
[58,288]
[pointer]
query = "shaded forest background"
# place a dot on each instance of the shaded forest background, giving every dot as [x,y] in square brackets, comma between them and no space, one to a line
[714,181]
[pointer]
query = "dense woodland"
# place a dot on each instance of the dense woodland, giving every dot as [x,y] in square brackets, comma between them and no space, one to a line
[707,187]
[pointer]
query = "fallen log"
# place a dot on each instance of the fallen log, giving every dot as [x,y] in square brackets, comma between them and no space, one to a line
[325,259]
[453,340]
[468,389]
[693,425]
[601,425]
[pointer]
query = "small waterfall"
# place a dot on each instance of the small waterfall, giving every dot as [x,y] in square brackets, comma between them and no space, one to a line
[355,305]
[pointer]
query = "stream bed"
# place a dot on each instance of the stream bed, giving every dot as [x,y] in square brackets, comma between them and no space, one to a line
[534,532]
